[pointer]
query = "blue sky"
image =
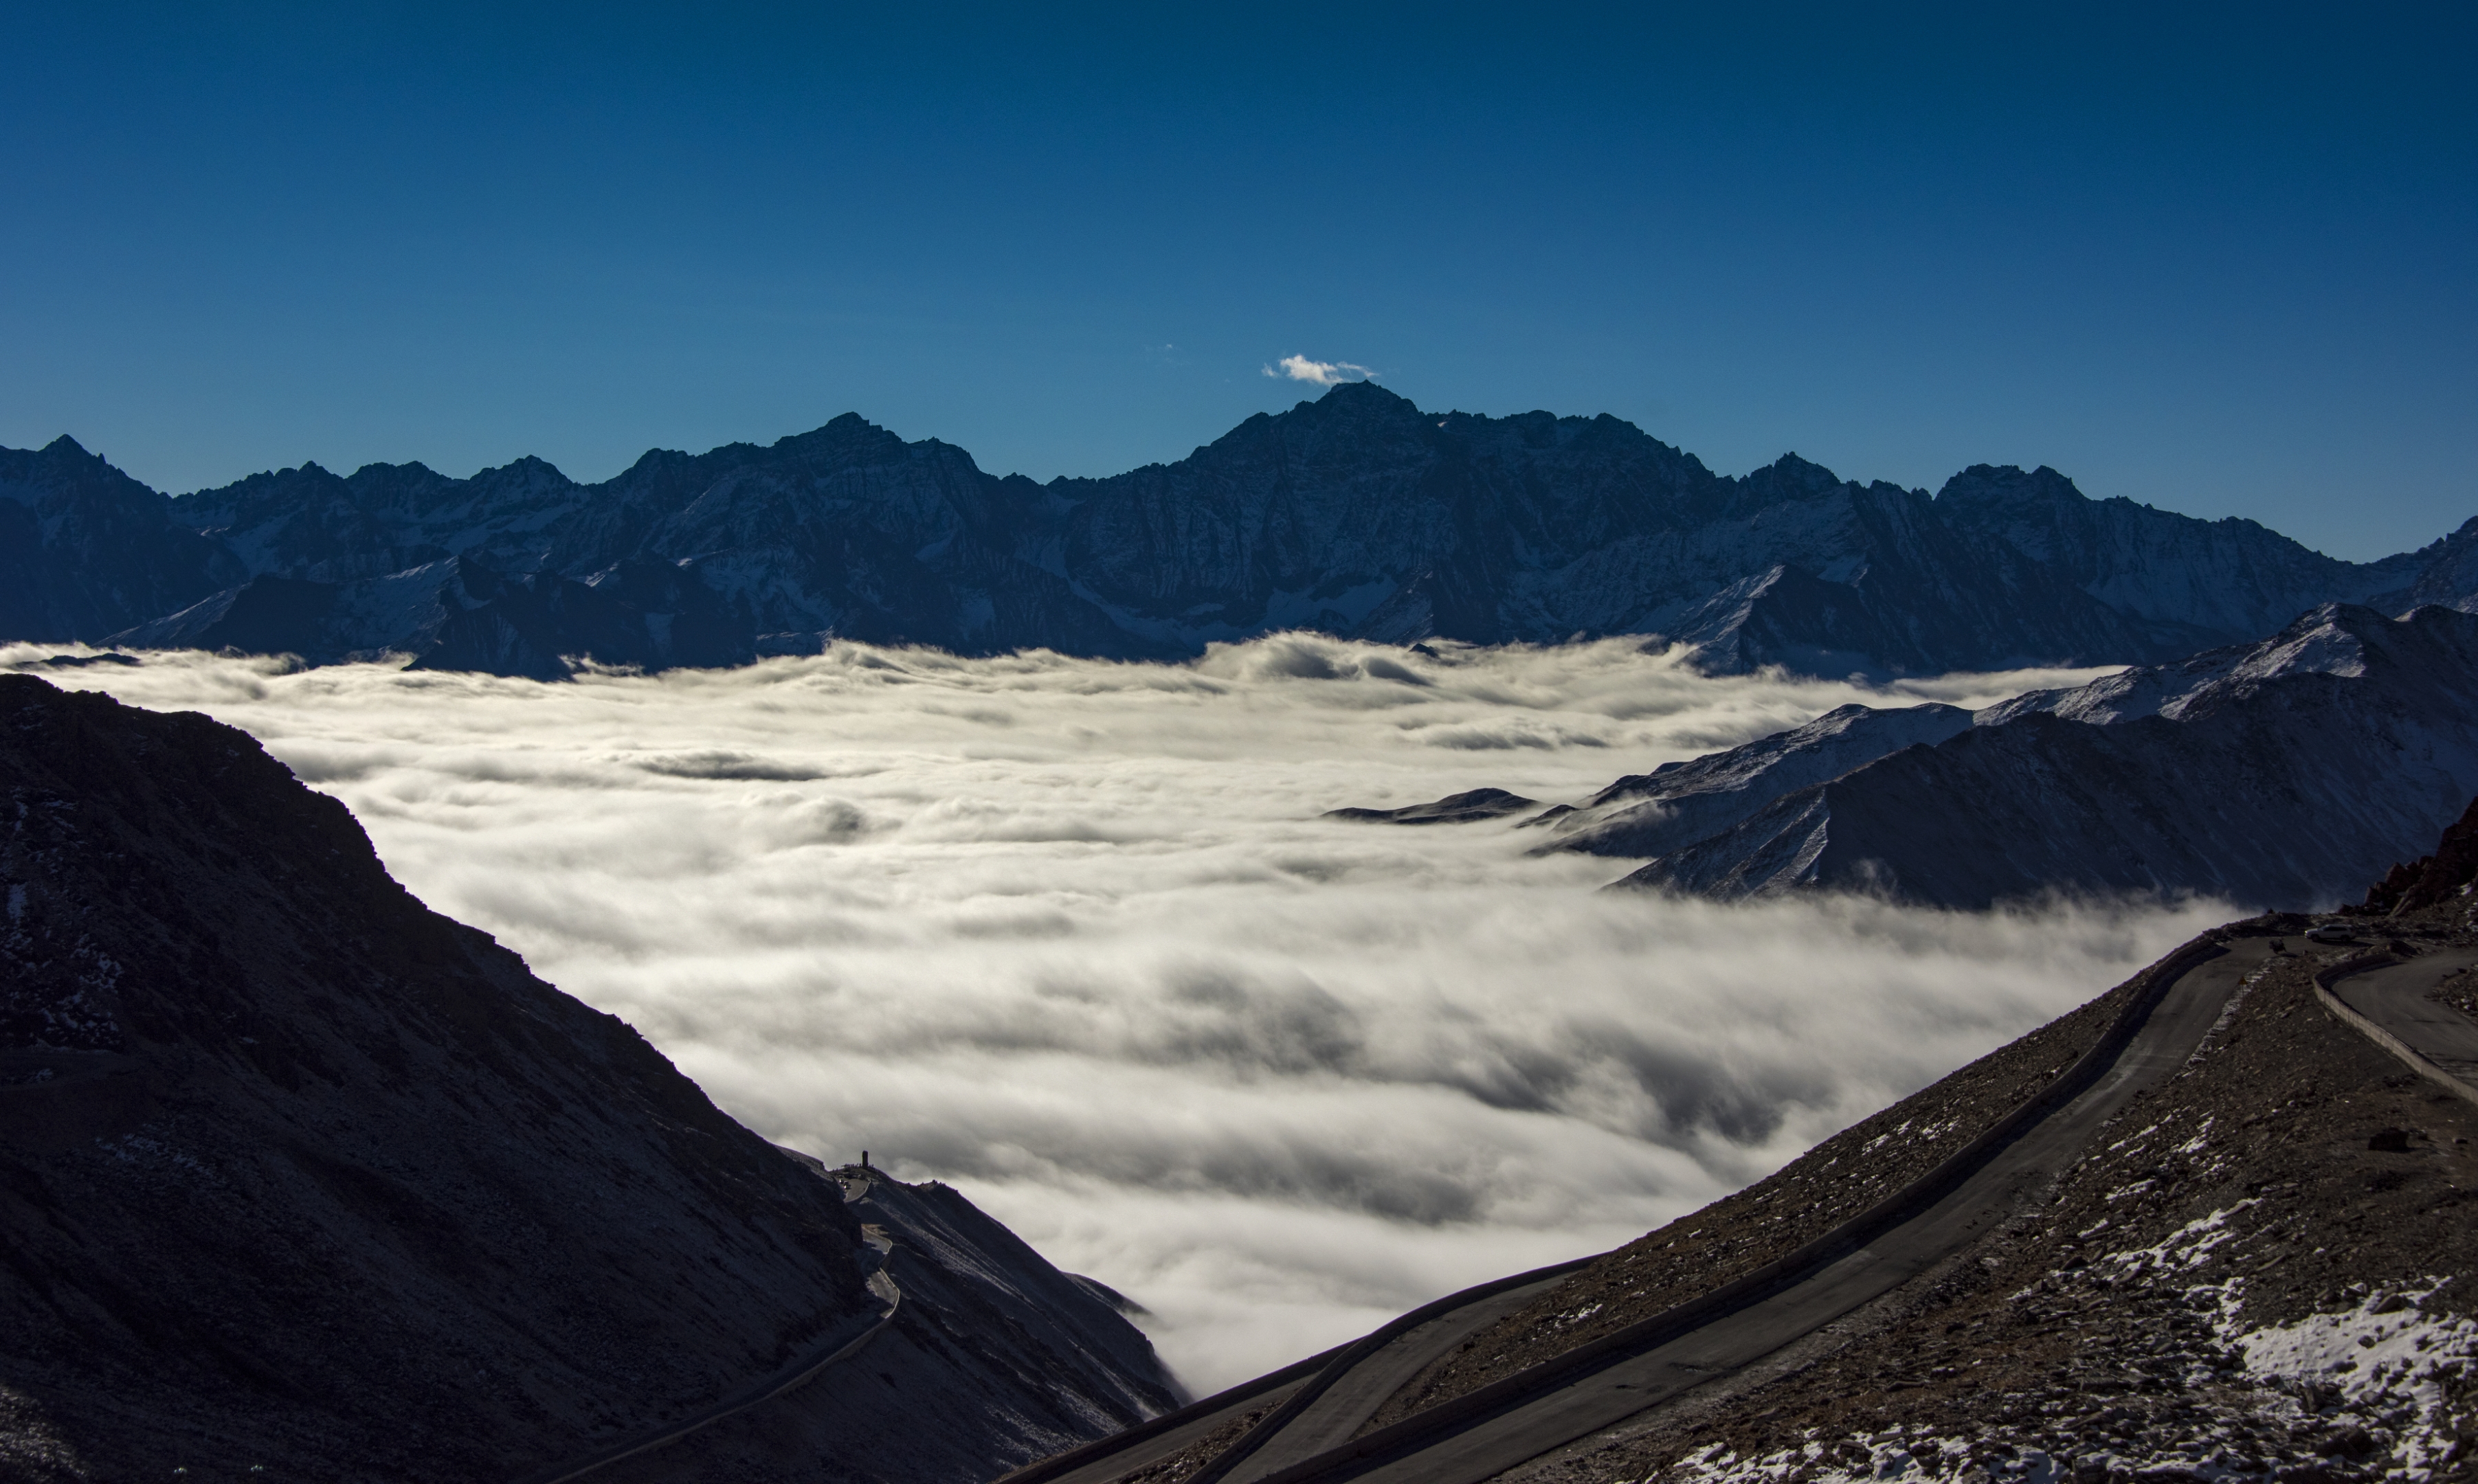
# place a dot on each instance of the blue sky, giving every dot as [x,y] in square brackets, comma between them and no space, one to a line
[2221,260]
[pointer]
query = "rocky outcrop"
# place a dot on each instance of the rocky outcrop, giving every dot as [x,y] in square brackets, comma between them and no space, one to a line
[298,1173]
[1357,513]
[2282,773]
[1453,809]
[2430,879]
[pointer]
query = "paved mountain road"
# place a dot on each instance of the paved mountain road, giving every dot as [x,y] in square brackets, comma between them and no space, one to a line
[882,1286]
[1330,1420]
[1489,1445]
[2167,1039]
[1152,1450]
[2394,998]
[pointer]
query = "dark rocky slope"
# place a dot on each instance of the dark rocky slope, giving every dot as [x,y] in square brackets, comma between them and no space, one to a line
[1357,513]
[2284,774]
[1738,1234]
[2431,880]
[974,1295]
[2263,1271]
[296,1174]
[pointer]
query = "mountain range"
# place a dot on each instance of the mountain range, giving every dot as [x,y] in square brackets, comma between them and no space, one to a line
[2284,773]
[1357,513]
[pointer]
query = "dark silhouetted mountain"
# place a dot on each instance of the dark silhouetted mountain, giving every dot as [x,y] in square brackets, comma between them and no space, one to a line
[85,550]
[2196,583]
[2284,773]
[1453,809]
[295,1173]
[1357,513]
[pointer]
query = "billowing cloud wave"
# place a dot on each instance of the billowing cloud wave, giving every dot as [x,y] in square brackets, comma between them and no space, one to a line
[1070,935]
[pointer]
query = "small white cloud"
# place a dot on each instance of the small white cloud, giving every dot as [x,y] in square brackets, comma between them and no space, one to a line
[1323,373]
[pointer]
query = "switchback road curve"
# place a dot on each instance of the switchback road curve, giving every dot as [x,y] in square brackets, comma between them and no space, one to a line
[2387,1003]
[882,1286]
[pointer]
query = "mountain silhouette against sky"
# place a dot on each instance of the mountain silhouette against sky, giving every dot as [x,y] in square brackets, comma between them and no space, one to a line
[1357,513]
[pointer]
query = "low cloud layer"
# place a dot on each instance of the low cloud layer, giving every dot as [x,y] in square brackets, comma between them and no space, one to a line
[1070,935]
[1321,373]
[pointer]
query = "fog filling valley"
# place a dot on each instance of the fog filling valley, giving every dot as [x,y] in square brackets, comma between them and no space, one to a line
[1071,935]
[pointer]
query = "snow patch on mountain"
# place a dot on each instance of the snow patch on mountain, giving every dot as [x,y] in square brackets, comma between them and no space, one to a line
[2281,772]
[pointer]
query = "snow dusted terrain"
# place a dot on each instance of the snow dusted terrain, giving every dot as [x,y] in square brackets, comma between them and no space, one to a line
[2260,1269]
[2384,1362]
[2284,773]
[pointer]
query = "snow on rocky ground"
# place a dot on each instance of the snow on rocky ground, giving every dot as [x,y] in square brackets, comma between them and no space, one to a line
[2376,1369]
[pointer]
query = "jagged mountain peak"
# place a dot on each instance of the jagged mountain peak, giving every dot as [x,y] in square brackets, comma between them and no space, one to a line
[1356,404]
[2331,638]
[849,437]
[1795,478]
[2008,483]
[1991,488]
[1362,393]
[64,463]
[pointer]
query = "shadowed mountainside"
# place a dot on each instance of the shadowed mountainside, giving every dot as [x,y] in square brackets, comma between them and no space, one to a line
[2284,774]
[294,1172]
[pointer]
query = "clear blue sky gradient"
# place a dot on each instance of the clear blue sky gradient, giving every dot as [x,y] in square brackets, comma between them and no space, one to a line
[2218,259]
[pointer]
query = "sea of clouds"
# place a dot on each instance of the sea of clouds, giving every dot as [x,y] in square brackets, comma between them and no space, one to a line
[1070,935]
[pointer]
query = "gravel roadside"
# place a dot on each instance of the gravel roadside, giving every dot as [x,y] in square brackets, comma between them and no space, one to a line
[1831,1183]
[2267,1271]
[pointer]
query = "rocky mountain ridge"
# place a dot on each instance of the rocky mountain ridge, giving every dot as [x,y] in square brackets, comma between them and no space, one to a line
[2281,773]
[298,1175]
[1357,513]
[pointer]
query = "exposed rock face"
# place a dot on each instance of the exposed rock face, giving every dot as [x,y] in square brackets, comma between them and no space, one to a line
[296,1171]
[1357,513]
[2430,879]
[2280,773]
